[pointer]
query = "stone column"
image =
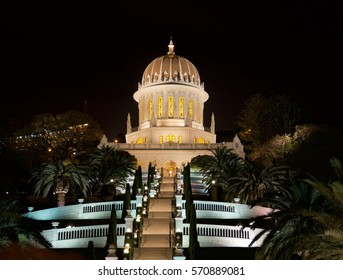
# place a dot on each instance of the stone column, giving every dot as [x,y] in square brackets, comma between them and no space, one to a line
[178,224]
[128,221]
[139,199]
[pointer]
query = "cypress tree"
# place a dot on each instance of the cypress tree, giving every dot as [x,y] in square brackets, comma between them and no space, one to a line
[126,201]
[112,229]
[187,191]
[139,178]
[135,185]
[90,251]
[149,175]
[193,235]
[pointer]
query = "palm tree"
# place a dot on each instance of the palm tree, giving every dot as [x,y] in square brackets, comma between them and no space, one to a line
[291,219]
[239,178]
[309,224]
[111,167]
[60,178]
[219,167]
[250,183]
[17,232]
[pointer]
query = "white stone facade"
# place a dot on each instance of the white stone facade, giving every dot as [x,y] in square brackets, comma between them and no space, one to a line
[170,131]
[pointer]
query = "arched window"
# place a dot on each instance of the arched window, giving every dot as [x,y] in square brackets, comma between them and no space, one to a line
[201,140]
[161,139]
[150,109]
[198,110]
[182,107]
[170,106]
[190,108]
[194,140]
[146,140]
[160,107]
[140,140]
[170,138]
[179,139]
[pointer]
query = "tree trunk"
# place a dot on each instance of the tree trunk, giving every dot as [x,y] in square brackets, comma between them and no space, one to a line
[61,198]
[61,193]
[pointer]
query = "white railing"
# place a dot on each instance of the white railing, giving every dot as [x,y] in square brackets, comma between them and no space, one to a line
[84,211]
[222,236]
[208,236]
[224,210]
[79,237]
[235,145]
[163,146]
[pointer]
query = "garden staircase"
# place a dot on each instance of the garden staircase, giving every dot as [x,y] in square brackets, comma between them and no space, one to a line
[158,227]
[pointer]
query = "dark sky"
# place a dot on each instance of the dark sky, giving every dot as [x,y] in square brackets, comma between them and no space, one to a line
[55,55]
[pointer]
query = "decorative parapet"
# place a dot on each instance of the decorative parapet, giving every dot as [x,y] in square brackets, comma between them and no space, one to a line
[78,237]
[169,146]
[81,211]
[223,236]
[225,210]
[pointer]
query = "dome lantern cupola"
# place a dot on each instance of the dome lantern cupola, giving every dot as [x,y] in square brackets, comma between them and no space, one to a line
[171,48]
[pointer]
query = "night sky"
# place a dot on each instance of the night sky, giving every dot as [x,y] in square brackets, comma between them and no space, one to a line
[55,55]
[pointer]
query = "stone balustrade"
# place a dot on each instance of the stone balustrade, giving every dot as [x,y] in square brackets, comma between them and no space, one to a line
[79,237]
[222,236]
[81,211]
[223,210]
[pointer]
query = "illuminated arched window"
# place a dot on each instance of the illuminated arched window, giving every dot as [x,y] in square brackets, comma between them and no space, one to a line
[182,107]
[160,107]
[190,108]
[201,140]
[194,140]
[140,140]
[198,110]
[179,139]
[150,109]
[170,138]
[170,106]
[161,139]
[146,140]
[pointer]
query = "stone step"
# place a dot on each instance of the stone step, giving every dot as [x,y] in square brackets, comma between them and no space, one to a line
[168,180]
[156,226]
[166,194]
[160,215]
[158,204]
[155,241]
[167,187]
[153,254]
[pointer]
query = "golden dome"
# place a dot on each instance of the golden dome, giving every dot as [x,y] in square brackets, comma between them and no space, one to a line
[171,68]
